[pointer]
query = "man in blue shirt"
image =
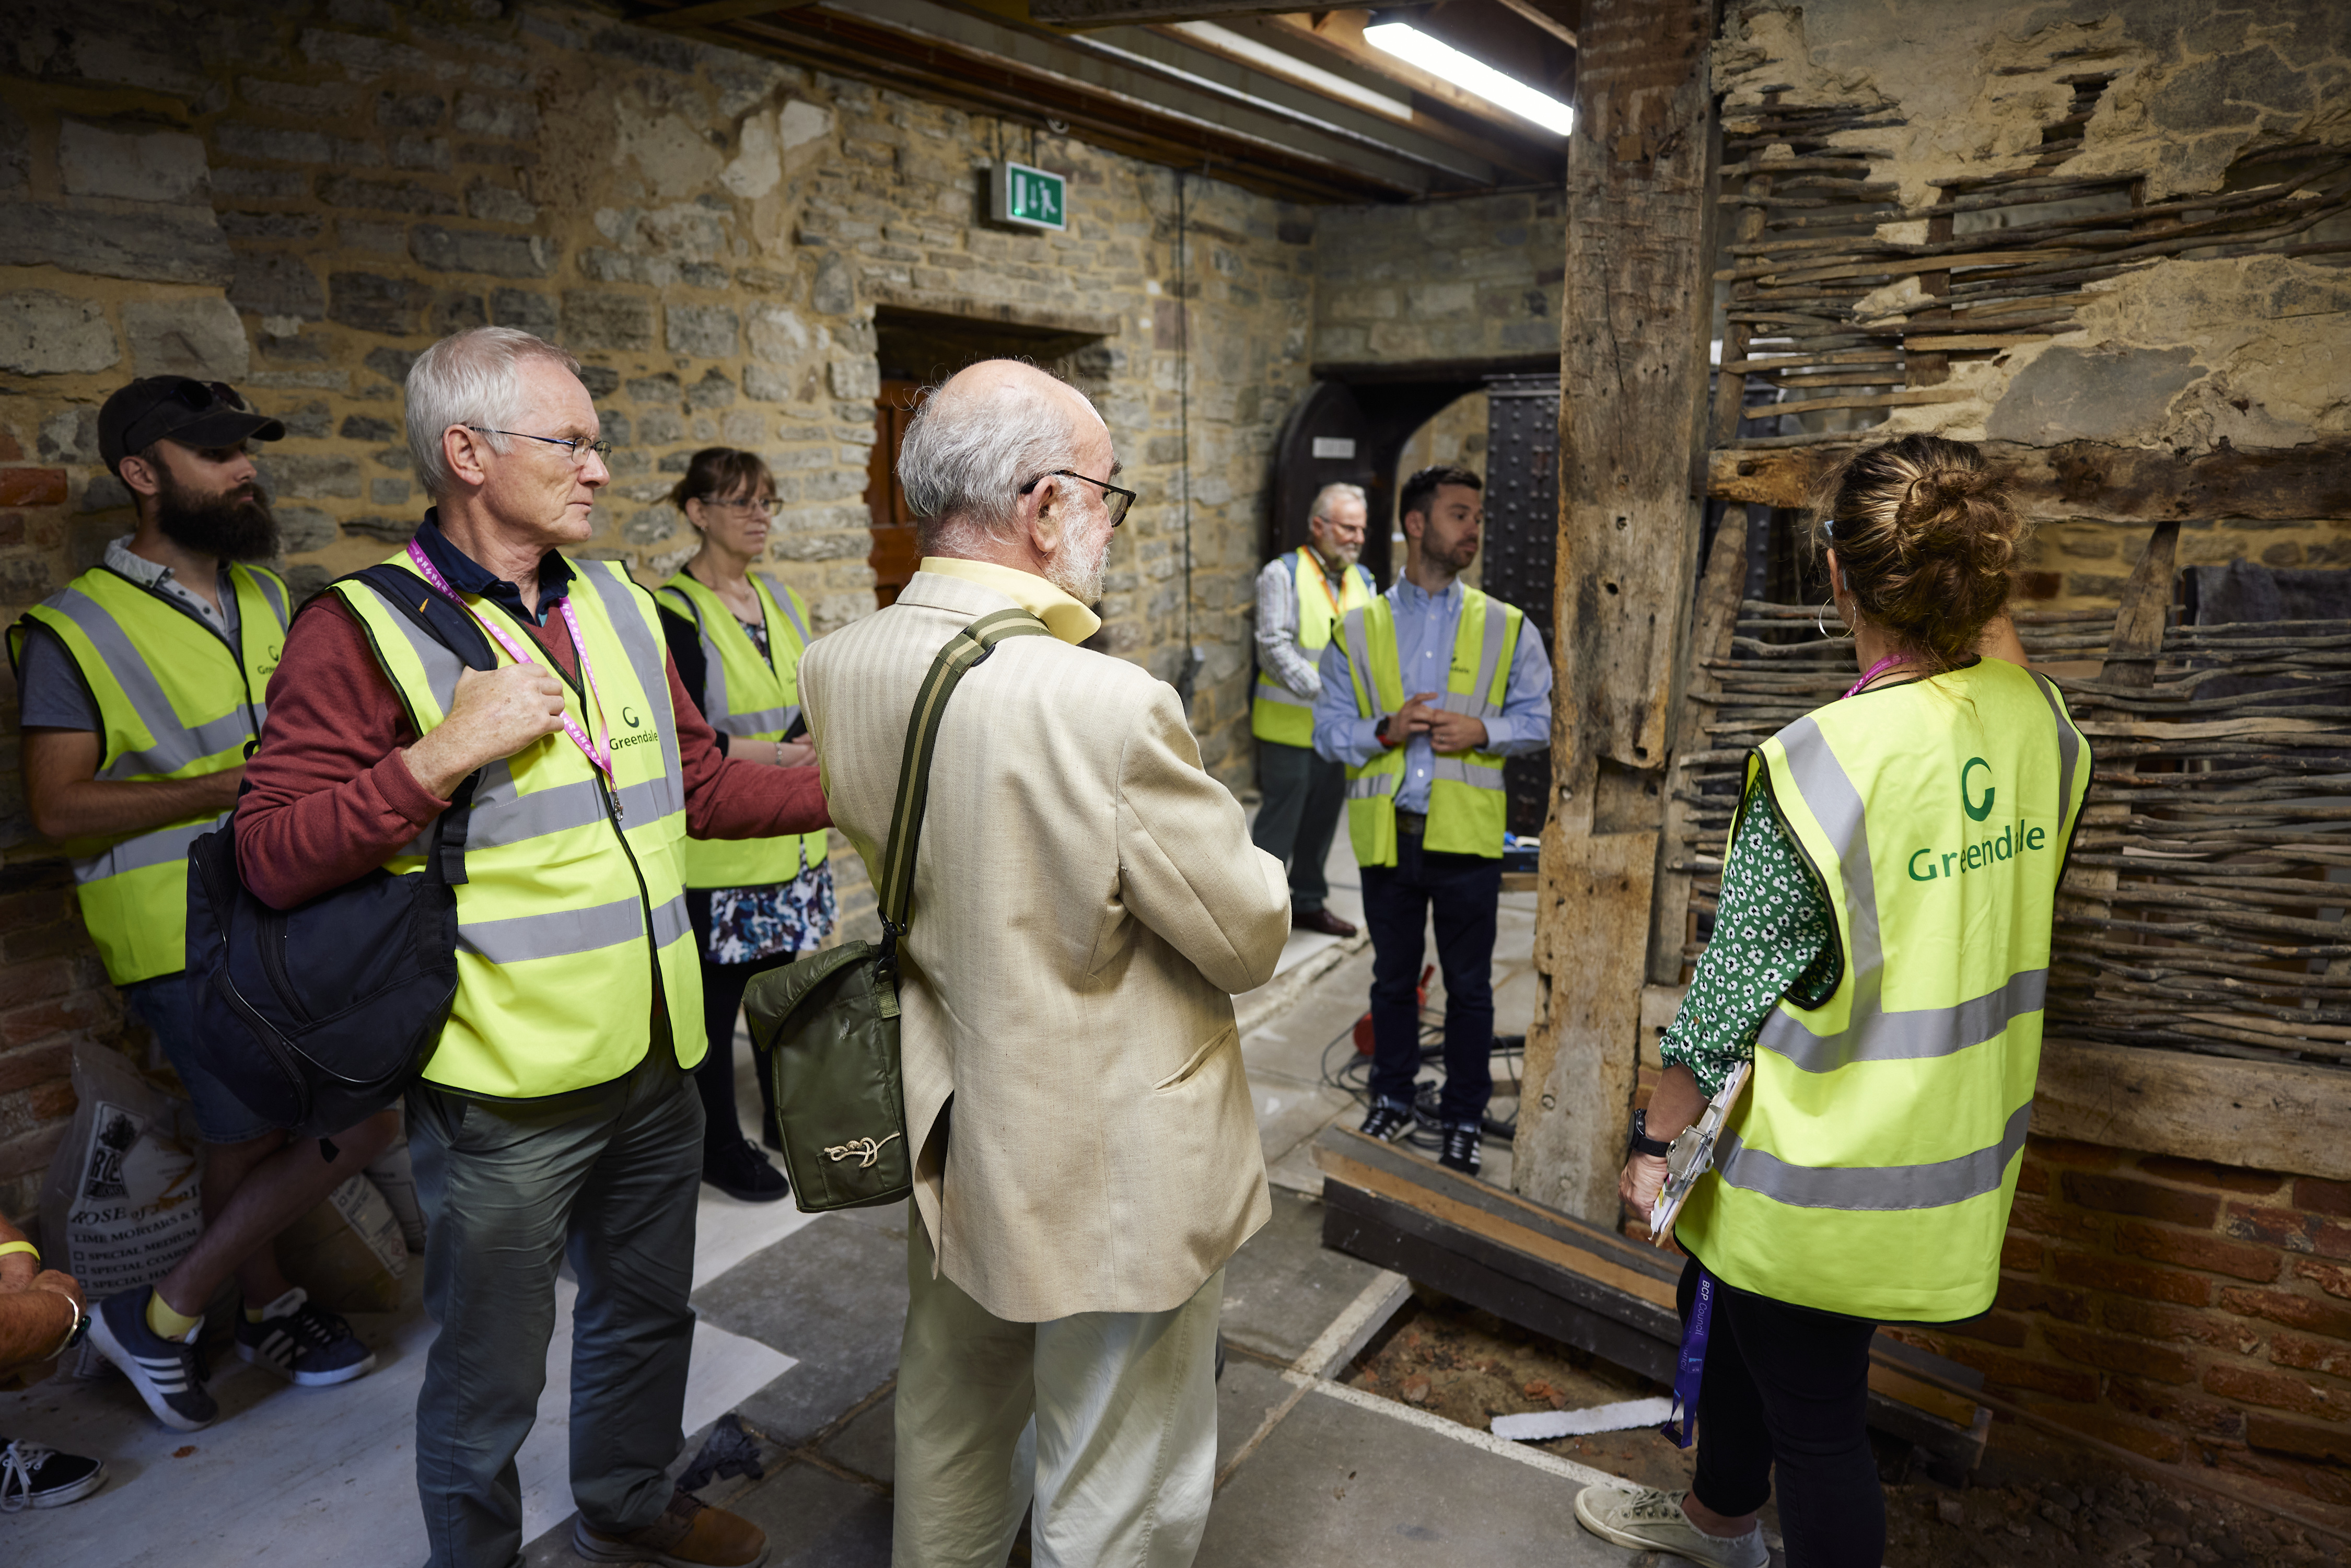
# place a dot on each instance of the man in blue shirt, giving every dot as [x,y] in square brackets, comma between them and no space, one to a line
[1427,828]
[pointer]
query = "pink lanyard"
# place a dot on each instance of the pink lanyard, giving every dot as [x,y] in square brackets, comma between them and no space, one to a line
[1875,670]
[601,760]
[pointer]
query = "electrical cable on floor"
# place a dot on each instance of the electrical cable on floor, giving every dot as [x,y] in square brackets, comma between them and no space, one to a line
[1353,1077]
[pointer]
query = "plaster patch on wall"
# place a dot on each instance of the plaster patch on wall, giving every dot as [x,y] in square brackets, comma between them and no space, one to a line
[671,152]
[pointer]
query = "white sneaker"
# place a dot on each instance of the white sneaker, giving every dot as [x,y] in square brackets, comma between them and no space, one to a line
[1647,1518]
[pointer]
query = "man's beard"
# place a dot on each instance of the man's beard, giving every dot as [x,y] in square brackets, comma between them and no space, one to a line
[1082,583]
[235,525]
[1341,555]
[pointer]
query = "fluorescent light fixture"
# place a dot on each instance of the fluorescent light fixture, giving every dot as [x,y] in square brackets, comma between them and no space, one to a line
[1274,62]
[1443,60]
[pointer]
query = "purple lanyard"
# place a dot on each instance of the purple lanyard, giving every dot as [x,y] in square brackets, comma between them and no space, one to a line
[601,760]
[1875,670]
[1691,1364]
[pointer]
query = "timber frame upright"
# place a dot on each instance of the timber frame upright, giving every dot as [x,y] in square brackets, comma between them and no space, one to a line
[1635,320]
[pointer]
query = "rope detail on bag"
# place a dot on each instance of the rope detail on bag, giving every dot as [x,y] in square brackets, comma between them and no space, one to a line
[864,1150]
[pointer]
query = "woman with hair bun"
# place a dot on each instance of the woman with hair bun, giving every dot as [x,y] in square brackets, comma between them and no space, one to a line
[1881,946]
[736,637]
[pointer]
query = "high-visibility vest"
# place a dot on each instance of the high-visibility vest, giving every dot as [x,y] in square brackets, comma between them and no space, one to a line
[1869,1166]
[569,908]
[176,702]
[749,696]
[1466,809]
[1278,714]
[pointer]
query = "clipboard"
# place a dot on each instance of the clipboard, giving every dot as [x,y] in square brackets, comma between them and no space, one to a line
[1692,1153]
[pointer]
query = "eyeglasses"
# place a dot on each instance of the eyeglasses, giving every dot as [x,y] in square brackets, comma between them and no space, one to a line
[573,445]
[1116,499]
[764,506]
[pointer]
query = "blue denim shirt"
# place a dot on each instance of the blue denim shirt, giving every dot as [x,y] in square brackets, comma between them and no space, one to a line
[1425,627]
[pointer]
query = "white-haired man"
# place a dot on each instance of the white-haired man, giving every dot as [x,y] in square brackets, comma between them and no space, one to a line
[557,1117]
[1301,597]
[1085,900]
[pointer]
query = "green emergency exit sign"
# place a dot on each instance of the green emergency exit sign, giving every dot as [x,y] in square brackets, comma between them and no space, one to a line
[1029,198]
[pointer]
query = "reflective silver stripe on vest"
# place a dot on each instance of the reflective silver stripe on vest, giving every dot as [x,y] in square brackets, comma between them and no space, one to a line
[1359,654]
[554,933]
[783,598]
[1475,702]
[174,744]
[501,817]
[715,700]
[1270,690]
[164,846]
[1459,769]
[671,920]
[650,659]
[1372,786]
[1934,1185]
[271,591]
[2069,747]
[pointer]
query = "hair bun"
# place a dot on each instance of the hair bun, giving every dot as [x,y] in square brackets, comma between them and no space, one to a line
[1938,490]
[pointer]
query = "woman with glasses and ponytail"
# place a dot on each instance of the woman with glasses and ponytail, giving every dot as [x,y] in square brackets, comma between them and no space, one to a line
[1880,951]
[736,637]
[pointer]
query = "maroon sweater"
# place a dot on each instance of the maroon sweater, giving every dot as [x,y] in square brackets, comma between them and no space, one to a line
[331,797]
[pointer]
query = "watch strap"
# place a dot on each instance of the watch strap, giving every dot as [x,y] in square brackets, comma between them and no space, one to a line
[1645,1145]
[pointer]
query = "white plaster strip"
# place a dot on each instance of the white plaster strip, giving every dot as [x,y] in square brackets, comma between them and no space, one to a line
[1567,1469]
[1335,1346]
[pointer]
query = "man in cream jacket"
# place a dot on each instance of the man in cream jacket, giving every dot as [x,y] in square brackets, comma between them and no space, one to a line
[1085,901]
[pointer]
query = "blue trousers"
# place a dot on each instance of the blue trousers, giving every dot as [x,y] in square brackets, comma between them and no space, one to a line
[1462,891]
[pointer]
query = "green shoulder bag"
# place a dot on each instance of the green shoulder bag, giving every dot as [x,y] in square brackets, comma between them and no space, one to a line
[829,1022]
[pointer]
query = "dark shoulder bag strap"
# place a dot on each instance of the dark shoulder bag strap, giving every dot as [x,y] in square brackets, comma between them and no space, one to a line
[449,625]
[965,650]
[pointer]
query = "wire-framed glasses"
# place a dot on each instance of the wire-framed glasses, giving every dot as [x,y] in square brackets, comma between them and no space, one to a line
[1115,498]
[574,446]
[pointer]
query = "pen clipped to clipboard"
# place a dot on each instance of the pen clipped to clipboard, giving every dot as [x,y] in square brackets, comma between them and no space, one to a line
[1692,1155]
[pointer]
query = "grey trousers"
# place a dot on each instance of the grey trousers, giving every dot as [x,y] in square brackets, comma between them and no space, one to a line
[1303,795]
[1106,1421]
[607,1177]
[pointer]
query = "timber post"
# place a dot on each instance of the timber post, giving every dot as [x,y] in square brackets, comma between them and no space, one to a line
[1633,382]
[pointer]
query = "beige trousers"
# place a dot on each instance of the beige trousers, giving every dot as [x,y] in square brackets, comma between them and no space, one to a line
[1105,1421]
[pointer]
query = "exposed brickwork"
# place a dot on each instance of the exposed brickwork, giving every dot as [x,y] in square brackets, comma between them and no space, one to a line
[2182,1310]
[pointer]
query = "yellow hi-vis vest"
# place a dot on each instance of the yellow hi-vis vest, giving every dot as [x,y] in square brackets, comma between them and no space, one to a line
[1869,1166]
[1277,713]
[748,697]
[176,702]
[571,912]
[1466,809]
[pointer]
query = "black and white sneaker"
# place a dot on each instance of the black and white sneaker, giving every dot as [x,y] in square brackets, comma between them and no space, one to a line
[168,1372]
[1388,1121]
[303,1342]
[1461,1141]
[35,1476]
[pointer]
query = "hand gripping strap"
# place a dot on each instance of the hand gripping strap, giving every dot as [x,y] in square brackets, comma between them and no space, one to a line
[965,650]
[448,624]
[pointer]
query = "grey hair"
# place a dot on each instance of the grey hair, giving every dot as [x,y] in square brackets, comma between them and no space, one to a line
[473,379]
[1336,491]
[966,454]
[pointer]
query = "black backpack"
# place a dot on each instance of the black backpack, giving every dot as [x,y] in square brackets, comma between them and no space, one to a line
[320,1016]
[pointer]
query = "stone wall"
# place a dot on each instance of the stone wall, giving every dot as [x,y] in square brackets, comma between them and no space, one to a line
[298,198]
[1473,279]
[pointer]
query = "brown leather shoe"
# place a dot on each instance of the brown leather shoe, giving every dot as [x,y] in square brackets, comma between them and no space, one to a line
[690,1534]
[1321,920]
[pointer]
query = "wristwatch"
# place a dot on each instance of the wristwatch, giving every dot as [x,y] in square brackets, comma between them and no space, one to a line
[1645,1145]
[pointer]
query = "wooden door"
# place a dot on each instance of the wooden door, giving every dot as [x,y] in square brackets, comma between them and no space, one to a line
[894,555]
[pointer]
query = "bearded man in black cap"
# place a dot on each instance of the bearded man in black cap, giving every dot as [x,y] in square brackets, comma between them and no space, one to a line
[140,688]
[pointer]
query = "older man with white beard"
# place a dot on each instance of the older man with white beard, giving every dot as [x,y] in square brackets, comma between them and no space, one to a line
[1085,899]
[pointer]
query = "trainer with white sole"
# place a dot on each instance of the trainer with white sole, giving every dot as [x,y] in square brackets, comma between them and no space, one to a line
[1878,965]
[42,1316]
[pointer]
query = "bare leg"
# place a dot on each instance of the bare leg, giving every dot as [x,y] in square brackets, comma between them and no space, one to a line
[254,1189]
[1722,1525]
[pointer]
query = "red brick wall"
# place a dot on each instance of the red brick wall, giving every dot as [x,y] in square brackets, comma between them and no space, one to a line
[53,992]
[2198,1314]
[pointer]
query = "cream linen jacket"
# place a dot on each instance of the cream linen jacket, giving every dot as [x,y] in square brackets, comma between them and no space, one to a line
[1086,900]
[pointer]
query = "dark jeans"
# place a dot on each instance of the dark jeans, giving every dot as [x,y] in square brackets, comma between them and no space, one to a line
[607,1177]
[1303,796]
[1462,891]
[1789,1386]
[722,1003]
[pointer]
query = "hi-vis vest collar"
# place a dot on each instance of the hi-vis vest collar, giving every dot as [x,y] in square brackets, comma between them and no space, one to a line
[569,915]
[176,700]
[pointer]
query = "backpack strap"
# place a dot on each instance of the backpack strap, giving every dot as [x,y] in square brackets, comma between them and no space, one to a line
[450,626]
[965,650]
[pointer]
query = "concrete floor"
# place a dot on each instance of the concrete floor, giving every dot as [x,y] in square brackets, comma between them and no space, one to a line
[798,1336]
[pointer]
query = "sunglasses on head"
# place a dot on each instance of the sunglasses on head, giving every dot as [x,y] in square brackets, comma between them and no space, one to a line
[197,396]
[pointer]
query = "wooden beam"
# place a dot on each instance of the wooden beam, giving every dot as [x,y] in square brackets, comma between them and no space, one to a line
[2090,479]
[710,13]
[1634,322]
[1115,13]
[1339,34]
[1530,12]
[2271,1115]
[1712,628]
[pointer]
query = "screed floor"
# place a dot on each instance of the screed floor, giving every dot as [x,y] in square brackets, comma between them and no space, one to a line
[799,1334]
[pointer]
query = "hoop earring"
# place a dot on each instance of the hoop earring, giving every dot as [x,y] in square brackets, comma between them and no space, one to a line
[1821,621]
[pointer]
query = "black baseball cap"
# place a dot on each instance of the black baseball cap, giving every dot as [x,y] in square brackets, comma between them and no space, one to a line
[180,409]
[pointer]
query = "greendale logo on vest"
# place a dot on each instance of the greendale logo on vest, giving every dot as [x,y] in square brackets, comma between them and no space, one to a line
[1870,1167]
[1277,713]
[1466,809]
[567,913]
[751,698]
[176,703]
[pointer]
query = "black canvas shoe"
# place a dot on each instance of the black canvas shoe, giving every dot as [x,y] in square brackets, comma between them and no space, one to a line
[168,1372]
[1461,1141]
[35,1476]
[1388,1121]
[741,1171]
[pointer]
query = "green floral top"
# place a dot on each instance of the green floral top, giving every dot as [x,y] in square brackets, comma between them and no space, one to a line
[1774,936]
